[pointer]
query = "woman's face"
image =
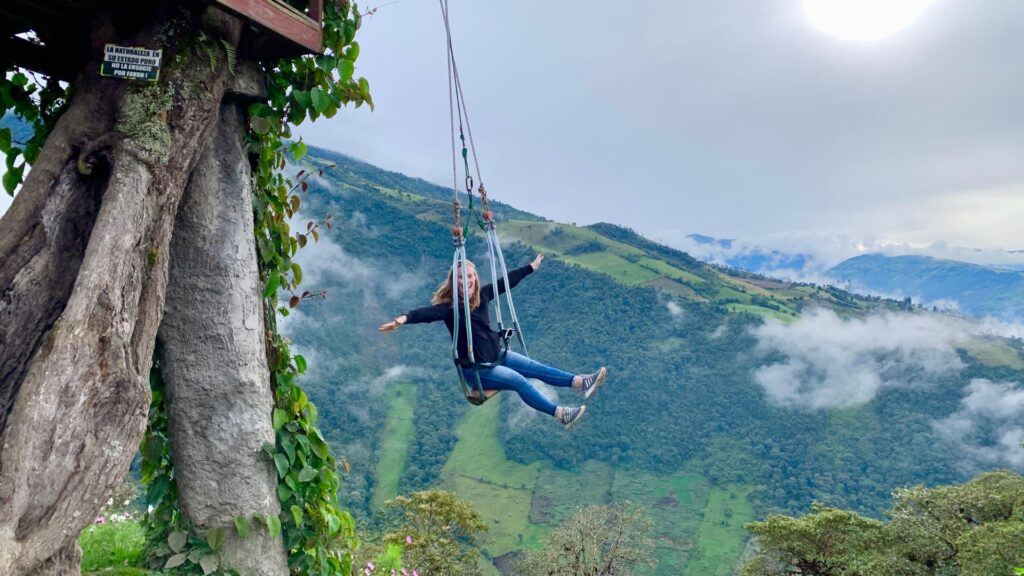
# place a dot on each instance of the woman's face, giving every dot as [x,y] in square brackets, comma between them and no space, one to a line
[470,279]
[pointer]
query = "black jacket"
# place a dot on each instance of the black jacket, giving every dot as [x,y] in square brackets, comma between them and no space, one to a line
[486,342]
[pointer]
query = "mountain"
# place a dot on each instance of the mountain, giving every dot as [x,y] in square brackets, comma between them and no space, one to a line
[690,424]
[732,253]
[977,290]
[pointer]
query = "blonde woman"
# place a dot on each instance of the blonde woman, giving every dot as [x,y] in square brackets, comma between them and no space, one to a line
[513,372]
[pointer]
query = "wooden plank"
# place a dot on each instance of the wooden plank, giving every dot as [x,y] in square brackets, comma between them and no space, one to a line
[281,19]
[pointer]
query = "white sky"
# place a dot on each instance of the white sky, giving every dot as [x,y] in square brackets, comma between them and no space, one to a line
[734,118]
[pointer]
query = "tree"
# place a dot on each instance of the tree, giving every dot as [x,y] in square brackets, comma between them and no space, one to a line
[971,529]
[85,254]
[441,533]
[600,540]
[83,271]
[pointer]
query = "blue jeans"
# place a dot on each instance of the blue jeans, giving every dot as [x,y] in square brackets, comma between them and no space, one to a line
[513,374]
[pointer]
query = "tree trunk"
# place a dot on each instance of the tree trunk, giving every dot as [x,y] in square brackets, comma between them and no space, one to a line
[214,363]
[78,319]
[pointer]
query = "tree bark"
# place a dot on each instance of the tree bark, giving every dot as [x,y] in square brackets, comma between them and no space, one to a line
[76,351]
[214,363]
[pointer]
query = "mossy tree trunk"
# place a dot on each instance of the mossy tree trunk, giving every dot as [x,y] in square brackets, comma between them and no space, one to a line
[83,272]
[214,362]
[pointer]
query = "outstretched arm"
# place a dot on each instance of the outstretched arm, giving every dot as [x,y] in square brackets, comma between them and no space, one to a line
[394,324]
[514,277]
[418,316]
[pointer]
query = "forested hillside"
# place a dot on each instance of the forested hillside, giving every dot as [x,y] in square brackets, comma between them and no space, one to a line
[689,423]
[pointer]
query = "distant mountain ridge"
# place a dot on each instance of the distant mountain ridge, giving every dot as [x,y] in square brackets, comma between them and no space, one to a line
[995,290]
[978,290]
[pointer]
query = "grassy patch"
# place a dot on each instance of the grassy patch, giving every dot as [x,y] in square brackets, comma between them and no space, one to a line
[500,490]
[760,311]
[675,503]
[394,445]
[560,492]
[666,269]
[721,536]
[992,352]
[115,545]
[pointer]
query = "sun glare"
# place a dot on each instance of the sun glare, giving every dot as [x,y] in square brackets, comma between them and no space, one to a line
[863,19]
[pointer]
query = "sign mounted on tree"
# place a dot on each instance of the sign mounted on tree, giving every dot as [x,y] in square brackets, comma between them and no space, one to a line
[130,62]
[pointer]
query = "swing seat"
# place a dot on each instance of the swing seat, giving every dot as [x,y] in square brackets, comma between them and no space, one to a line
[475,399]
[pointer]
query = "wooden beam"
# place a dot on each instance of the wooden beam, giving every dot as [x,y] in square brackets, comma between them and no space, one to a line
[37,58]
[282,19]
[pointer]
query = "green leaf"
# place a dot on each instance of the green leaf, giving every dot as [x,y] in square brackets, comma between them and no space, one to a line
[346,69]
[319,446]
[195,555]
[260,125]
[280,419]
[333,523]
[300,362]
[302,98]
[215,537]
[5,140]
[175,561]
[242,526]
[352,52]
[284,492]
[297,515]
[311,413]
[288,445]
[273,526]
[19,79]
[269,449]
[209,564]
[273,283]
[177,540]
[307,474]
[319,99]
[281,461]
[12,177]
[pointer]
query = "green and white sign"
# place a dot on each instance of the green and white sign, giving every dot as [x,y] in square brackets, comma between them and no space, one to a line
[130,62]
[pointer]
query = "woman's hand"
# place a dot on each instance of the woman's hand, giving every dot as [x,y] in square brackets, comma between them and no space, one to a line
[536,261]
[394,324]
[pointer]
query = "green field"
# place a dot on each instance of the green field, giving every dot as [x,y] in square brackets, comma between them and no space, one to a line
[992,352]
[721,536]
[675,504]
[522,503]
[500,490]
[394,443]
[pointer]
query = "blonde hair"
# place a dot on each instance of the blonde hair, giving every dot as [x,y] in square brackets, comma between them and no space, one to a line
[443,294]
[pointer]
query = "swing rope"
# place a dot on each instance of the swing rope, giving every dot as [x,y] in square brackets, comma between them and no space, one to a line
[457,110]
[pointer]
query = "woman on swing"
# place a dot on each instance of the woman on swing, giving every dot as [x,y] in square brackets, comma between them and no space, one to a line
[511,374]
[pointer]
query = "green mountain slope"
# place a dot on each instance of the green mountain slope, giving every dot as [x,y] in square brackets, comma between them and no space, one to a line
[682,426]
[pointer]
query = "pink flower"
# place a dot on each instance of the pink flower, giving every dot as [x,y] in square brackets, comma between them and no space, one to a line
[408,539]
[101,520]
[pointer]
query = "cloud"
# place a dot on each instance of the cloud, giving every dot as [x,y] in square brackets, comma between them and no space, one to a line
[987,428]
[822,361]
[674,309]
[324,263]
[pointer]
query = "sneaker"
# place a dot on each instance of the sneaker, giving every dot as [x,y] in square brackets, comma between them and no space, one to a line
[570,414]
[592,381]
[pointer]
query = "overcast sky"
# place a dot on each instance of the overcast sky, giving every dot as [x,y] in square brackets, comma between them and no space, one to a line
[734,118]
